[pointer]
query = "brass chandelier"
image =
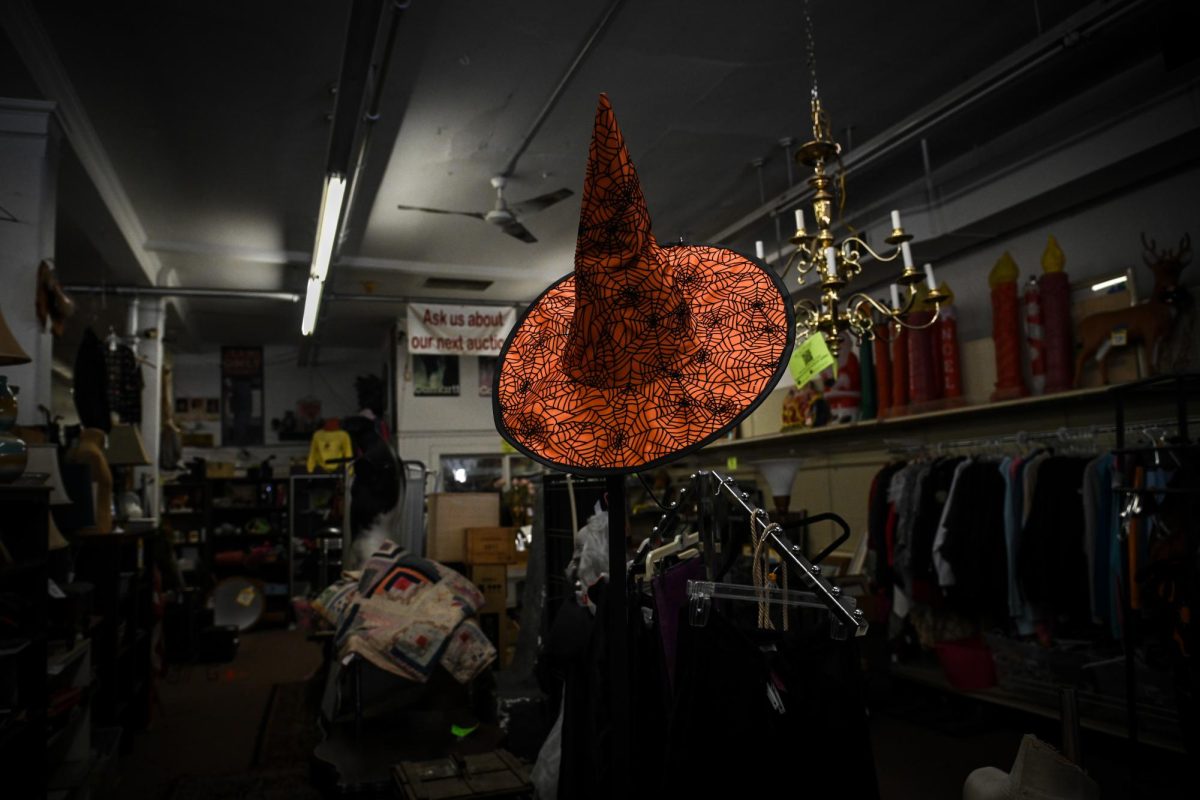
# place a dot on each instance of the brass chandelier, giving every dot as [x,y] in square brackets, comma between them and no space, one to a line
[837,262]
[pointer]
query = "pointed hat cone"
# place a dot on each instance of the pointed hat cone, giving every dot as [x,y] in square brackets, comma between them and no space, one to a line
[644,352]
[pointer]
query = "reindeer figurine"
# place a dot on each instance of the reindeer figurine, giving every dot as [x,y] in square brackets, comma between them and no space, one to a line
[1147,323]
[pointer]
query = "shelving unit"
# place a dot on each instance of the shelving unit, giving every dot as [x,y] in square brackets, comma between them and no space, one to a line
[115,564]
[315,501]
[24,512]
[214,520]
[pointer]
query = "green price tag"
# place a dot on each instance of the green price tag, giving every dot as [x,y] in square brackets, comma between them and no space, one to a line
[810,358]
[731,463]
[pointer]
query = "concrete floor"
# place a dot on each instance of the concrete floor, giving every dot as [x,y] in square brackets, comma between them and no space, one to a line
[208,716]
[924,743]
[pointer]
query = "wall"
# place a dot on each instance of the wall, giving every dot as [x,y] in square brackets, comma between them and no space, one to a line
[428,427]
[284,382]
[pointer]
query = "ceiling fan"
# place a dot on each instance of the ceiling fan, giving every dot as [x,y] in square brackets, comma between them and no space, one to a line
[504,216]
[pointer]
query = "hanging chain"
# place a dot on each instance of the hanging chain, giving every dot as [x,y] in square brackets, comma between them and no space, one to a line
[812,53]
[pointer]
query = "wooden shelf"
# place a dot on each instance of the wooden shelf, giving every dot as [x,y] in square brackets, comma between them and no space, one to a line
[876,431]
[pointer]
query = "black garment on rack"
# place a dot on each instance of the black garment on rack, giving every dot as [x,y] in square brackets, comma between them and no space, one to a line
[124,384]
[90,383]
[577,651]
[975,544]
[724,722]
[935,492]
[1051,563]
[877,517]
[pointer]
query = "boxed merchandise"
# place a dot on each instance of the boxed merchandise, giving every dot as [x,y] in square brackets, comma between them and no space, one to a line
[492,580]
[491,546]
[450,514]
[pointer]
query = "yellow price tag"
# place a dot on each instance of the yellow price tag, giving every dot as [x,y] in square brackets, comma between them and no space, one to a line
[810,358]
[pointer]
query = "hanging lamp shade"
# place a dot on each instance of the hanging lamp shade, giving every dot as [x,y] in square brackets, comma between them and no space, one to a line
[645,352]
[10,349]
[43,460]
[125,447]
[780,474]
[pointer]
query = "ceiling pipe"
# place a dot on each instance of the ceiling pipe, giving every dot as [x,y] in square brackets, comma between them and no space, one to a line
[1092,20]
[180,291]
[263,294]
[556,95]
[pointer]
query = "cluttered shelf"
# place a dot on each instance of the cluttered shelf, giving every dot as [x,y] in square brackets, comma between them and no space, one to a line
[930,675]
[1094,398]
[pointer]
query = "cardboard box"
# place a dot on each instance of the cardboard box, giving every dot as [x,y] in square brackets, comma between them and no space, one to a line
[450,514]
[491,546]
[219,469]
[492,580]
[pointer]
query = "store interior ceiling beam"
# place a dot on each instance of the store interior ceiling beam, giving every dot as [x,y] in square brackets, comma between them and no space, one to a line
[263,294]
[1052,43]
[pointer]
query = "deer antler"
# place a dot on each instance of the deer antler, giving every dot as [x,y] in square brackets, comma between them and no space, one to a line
[1151,256]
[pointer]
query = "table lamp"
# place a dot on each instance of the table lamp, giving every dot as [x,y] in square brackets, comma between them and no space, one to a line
[780,473]
[126,449]
[12,448]
[43,463]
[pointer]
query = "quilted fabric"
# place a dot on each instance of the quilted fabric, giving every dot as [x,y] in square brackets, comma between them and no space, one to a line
[407,615]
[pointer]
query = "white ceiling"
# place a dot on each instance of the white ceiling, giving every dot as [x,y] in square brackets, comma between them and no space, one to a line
[215,119]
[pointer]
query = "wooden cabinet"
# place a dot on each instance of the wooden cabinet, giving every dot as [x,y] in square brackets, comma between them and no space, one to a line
[24,514]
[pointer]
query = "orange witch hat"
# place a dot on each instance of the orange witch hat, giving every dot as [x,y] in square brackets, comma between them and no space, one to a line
[644,352]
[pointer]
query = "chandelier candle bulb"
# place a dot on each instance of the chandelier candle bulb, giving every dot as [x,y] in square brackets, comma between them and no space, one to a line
[895,220]
[895,296]
[907,251]
[800,219]
[831,262]
[758,249]
[929,279]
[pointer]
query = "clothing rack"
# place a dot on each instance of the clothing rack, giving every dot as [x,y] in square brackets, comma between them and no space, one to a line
[1180,387]
[844,616]
[1064,434]
[711,484]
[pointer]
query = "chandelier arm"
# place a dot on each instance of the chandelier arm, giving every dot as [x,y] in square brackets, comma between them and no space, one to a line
[856,240]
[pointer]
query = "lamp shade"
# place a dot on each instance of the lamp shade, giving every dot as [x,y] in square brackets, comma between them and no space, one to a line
[43,460]
[125,447]
[10,350]
[780,473]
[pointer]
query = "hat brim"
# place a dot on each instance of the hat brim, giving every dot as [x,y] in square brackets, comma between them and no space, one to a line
[744,328]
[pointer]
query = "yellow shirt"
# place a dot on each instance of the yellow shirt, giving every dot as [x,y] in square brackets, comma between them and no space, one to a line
[328,445]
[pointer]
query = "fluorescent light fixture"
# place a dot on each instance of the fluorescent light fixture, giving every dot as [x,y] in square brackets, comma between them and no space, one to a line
[327,223]
[312,304]
[1102,285]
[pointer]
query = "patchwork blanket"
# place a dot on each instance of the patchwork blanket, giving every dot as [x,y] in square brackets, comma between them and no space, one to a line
[407,615]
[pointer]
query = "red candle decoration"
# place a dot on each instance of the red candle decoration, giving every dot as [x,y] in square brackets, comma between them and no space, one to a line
[900,371]
[1055,288]
[922,380]
[883,371]
[1035,337]
[947,338]
[1006,329]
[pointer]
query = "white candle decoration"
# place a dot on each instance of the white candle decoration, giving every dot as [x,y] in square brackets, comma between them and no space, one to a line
[895,220]
[895,296]
[831,261]
[930,281]
[758,249]
[799,219]
[907,251]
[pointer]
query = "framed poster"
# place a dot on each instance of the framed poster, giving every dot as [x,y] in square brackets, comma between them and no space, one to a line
[487,373]
[241,396]
[435,376]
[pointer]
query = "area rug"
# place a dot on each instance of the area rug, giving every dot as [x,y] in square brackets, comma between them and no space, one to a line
[289,731]
[282,752]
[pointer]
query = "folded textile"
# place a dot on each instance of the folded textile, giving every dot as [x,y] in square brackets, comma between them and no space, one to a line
[407,615]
